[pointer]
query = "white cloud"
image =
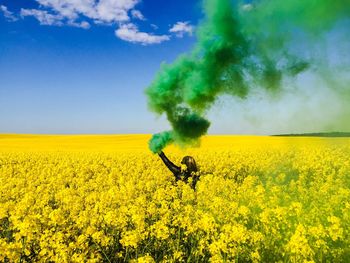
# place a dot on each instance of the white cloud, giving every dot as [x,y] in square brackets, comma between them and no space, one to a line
[8,14]
[155,27]
[137,14]
[43,17]
[181,28]
[83,13]
[82,24]
[129,32]
[113,10]
[102,11]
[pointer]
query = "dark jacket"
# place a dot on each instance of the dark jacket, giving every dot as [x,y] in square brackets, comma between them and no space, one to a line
[176,170]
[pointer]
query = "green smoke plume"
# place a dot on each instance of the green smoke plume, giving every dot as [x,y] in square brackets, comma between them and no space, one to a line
[241,46]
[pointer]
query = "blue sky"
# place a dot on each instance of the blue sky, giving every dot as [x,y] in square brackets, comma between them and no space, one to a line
[59,78]
[81,66]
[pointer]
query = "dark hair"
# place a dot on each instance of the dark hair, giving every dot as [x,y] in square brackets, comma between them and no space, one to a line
[190,163]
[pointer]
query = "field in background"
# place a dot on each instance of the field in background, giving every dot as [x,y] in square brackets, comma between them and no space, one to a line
[108,198]
[116,143]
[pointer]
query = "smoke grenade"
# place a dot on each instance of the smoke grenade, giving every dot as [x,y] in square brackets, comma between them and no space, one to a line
[240,46]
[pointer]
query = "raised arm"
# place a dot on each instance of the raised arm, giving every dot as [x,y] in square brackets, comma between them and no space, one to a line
[172,167]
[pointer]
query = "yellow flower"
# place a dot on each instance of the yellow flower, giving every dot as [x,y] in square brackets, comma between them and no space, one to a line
[108,198]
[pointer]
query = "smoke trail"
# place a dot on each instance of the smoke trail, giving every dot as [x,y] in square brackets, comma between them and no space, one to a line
[241,46]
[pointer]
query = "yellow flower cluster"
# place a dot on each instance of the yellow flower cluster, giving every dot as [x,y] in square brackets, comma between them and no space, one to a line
[109,199]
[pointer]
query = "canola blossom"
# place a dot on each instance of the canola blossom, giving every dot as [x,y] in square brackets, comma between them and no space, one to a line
[109,199]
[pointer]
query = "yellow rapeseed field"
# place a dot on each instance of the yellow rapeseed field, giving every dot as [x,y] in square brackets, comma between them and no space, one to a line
[108,198]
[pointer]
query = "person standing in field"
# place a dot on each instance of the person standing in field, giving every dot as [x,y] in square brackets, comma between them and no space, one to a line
[180,174]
